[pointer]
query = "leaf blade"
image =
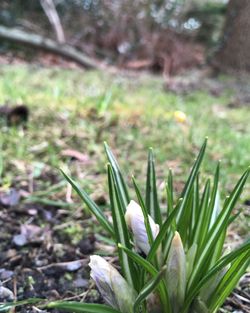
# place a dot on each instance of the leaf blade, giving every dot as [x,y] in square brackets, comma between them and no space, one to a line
[152,202]
[91,205]
[78,307]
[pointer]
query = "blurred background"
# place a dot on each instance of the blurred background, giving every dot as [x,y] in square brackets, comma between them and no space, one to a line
[135,73]
[163,36]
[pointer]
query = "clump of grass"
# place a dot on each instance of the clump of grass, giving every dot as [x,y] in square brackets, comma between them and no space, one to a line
[171,264]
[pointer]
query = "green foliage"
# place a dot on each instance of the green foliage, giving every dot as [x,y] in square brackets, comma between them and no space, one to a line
[187,251]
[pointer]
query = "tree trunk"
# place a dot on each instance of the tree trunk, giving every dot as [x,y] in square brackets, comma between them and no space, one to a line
[234,53]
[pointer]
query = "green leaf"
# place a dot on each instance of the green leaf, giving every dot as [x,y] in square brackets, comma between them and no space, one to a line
[91,205]
[229,281]
[214,209]
[148,267]
[7,306]
[121,230]
[168,238]
[190,255]
[170,192]
[195,210]
[183,218]
[215,232]
[119,181]
[217,251]
[220,264]
[152,202]
[164,230]
[78,307]
[148,289]
[46,201]
[200,229]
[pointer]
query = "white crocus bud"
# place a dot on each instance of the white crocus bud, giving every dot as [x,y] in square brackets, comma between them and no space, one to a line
[112,286]
[176,273]
[135,221]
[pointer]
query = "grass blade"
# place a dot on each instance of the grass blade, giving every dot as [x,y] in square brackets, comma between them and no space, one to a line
[214,200]
[91,205]
[148,267]
[170,192]
[78,307]
[223,262]
[184,214]
[9,305]
[121,231]
[200,229]
[162,235]
[229,281]
[119,181]
[216,230]
[195,209]
[152,202]
[148,289]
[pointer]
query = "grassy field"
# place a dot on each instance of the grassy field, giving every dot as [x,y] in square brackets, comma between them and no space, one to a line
[78,110]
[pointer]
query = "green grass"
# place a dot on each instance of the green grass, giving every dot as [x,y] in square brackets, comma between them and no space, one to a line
[74,109]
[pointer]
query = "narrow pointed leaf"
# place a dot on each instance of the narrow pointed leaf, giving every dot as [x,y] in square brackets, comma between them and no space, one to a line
[185,210]
[200,229]
[148,289]
[4,307]
[229,281]
[216,230]
[152,202]
[121,231]
[119,181]
[170,192]
[213,210]
[164,230]
[94,209]
[148,267]
[216,209]
[195,210]
[78,307]
[223,262]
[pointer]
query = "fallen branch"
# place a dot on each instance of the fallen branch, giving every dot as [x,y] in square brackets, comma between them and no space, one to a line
[40,42]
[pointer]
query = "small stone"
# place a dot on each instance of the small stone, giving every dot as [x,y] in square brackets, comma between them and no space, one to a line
[81,283]
[5,274]
[20,240]
[6,294]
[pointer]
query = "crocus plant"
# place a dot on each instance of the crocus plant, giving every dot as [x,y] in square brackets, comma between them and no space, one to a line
[172,259]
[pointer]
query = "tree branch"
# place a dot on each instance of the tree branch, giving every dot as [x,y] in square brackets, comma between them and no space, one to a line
[39,42]
[53,17]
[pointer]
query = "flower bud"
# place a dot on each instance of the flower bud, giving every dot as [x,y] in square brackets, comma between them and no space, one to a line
[176,273]
[112,286]
[135,220]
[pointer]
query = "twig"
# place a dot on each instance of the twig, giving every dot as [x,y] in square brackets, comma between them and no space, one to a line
[54,19]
